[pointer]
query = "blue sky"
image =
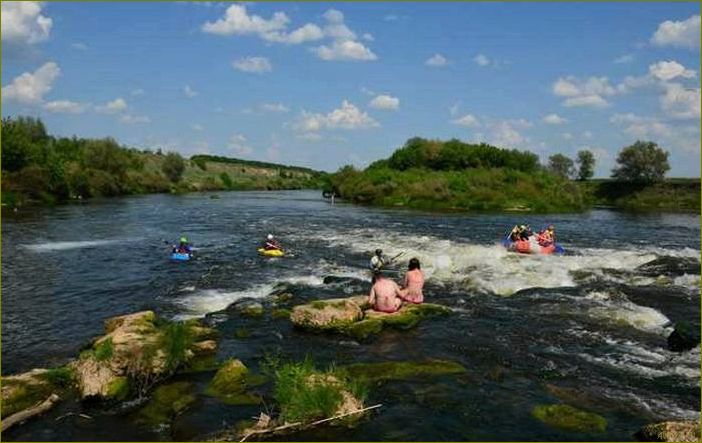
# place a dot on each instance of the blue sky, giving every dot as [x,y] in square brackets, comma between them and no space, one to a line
[328,84]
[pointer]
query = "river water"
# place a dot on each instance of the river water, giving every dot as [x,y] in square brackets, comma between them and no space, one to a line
[587,329]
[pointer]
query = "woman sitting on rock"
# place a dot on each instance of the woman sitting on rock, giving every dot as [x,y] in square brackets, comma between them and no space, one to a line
[385,295]
[414,282]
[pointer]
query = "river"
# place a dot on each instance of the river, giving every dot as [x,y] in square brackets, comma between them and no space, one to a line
[528,328]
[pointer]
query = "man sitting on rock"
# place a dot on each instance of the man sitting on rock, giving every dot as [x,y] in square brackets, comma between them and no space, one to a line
[385,295]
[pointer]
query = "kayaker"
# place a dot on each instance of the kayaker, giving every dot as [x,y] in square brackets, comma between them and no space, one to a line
[385,295]
[414,282]
[378,261]
[271,243]
[520,232]
[183,247]
[547,237]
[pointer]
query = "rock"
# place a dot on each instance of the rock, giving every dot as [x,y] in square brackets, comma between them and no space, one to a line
[230,383]
[326,314]
[684,337]
[248,308]
[24,390]
[569,418]
[283,297]
[678,431]
[94,378]
[339,280]
[204,347]
[348,403]
[670,266]
[402,370]
[166,402]
[281,313]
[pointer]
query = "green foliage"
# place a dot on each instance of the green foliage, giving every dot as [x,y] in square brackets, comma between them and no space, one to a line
[226,180]
[119,389]
[176,339]
[62,377]
[200,163]
[104,350]
[253,163]
[561,166]
[641,162]
[586,165]
[23,140]
[173,166]
[569,418]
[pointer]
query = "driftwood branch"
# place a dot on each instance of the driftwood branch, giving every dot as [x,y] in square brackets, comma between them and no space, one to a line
[37,409]
[301,424]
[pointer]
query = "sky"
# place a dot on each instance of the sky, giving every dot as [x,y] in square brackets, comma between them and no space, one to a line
[327,84]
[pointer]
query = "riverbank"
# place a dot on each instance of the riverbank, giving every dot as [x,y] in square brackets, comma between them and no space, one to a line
[671,195]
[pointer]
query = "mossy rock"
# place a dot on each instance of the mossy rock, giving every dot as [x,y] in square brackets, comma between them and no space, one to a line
[362,329]
[230,383]
[402,370]
[250,309]
[566,417]
[201,363]
[118,389]
[166,402]
[20,394]
[408,316]
[281,313]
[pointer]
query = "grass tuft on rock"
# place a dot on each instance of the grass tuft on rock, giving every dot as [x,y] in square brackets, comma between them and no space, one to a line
[104,350]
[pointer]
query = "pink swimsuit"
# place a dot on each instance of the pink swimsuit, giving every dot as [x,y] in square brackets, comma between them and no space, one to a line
[385,295]
[414,282]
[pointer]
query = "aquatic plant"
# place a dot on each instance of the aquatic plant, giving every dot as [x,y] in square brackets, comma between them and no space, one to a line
[569,418]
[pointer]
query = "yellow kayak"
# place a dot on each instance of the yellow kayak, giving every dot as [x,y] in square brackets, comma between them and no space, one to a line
[271,252]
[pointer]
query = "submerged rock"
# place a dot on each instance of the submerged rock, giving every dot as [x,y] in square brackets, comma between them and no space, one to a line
[402,370]
[166,403]
[670,266]
[249,308]
[230,383]
[347,316]
[678,431]
[569,418]
[25,390]
[684,337]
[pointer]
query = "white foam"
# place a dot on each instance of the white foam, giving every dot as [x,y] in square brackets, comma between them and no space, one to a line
[66,245]
[631,314]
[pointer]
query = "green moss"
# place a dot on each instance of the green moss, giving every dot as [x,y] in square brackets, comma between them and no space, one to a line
[61,377]
[281,313]
[202,363]
[402,370]
[569,418]
[165,403]
[104,350]
[252,311]
[362,329]
[118,389]
[23,395]
[230,383]
[317,304]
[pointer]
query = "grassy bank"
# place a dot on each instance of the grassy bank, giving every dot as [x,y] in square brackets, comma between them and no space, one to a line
[431,174]
[40,168]
[676,194]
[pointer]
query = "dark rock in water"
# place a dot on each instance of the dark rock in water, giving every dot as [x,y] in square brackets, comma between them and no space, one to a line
[670,266]
[686,336]
[672,302]
[338,280]
[680,431]
[248,308]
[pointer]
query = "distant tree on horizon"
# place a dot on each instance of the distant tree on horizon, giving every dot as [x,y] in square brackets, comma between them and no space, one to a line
[173,166]
[586,165]
[643,161]
[561,165]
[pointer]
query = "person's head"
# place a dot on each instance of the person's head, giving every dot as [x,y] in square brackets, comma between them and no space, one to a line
[183,240]
[414,264]
[550,228]
[270,237]
[522,227]
[378,252]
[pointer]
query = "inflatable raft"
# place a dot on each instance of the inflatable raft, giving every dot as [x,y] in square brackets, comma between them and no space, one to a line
[180,256]
[532,247]
[271,252]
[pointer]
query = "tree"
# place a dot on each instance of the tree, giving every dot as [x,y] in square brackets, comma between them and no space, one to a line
[586,164]
[561,165]
[24,142]
[173,166]
[641,162]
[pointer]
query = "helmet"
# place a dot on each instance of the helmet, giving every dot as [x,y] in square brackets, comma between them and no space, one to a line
[183,240]
[550,227]
[378,252]
[270,236]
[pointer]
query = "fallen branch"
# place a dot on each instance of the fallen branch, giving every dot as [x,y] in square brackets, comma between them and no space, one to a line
[301,424]
[37,409]
[61,417]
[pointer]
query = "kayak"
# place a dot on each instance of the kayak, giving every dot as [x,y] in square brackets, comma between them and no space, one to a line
[180,256]
[271,252]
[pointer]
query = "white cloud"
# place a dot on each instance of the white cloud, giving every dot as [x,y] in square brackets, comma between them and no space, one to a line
[567,136]
[237,21]
[134,119]
[505,134]
[307,33]
[23,23]
[256,65]
[641,127]
[239,145]
[197,127]
[137,92]
[310,136]
[634,82]
[345,50]
[436,61]
[79,46]
[66,107]
[554,119]
[626,58]
[453,109]
[115,106]
[481,60]
[668,70]
[679,34]
[30,88]
[681,102]
[368,37]
[189,92]
[347,117]
[385,102]
[367,91]
[468,120]
[587,135]
[593,101]
[274,107]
